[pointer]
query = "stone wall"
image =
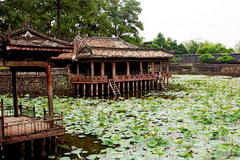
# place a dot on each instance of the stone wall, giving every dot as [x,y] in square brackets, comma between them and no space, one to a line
[205,68]
[35,83]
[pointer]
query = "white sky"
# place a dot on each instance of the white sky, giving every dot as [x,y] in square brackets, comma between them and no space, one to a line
[217,21]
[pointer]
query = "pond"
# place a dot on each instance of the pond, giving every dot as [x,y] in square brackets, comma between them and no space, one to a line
[197,119]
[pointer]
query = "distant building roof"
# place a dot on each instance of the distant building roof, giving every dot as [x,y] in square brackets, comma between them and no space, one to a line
[106,47]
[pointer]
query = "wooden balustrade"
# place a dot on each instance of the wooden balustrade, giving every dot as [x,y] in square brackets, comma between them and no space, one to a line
[30,126]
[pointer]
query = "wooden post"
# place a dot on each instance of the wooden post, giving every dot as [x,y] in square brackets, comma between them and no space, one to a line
[167,68]
[15,99]
[124,87]
[149,85]
[91,89]
[136,85]
[102,88]
[128,68]
[119,86]
[54,145]
[48,145]
[145,85]
[96,89]
[50,90]
[28,149]
[160,66]
[141,67]
[141,85]
[92,69]
[39,148]
[108,88]
[78,92]
[113,69]
[128,86]
[102,69]
[153,67]
[2,121]
[133,86]
[20,150]
[84,89]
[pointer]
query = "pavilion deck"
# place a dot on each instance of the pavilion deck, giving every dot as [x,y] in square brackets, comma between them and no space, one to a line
[26,127]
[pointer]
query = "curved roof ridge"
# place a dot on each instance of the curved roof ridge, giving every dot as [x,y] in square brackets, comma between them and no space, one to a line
[25,29]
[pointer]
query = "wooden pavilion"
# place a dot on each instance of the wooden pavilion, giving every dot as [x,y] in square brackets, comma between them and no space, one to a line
[102,64]
[26,50]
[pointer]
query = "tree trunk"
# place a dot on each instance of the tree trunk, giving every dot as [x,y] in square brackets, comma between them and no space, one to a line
[58,5]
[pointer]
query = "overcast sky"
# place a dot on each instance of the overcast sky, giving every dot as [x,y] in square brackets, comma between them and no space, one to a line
[217,21]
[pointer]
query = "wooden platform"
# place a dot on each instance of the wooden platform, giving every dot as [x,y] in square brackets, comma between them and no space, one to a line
[18,129]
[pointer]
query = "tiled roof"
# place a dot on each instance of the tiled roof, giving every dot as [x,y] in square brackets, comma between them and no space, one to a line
[106,47]
[101,52]
[31,40]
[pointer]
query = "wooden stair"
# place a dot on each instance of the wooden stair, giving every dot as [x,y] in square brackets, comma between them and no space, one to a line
[114,87]
[163,85]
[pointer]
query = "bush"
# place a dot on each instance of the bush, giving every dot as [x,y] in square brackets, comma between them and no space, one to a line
[225,59]
[206,57]
[153,46]
[178,59]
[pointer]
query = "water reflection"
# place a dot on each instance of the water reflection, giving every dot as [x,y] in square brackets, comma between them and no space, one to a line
[88,144]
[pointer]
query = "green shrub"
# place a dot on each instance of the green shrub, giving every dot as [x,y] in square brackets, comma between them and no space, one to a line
[178,59]
[153,46]
[206,57]
[225,59]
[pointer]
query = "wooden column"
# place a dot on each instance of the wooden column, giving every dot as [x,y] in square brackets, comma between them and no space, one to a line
[15,99]
[160,66]
[128,68]
[119,86]
[84,89]
[28,149]
[102,88]
[145,85]
[167,63]
[92,69]
[136,85]
[149,85]
[133,86]
[141,67]
[108,88]
[54,145]
[78,92]
[102,69]
[91,89]
[128,86]
[50,89]
[141,87]
[153,67]
[124,85]
[96,89]
[113,69]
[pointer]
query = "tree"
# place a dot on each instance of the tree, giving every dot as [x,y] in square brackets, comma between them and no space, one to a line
[192,46]
[169,44]
[208,47]
[66,18]
[237,47]
[124,18]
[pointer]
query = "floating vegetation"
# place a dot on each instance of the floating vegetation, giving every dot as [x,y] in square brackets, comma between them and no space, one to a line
[202,121]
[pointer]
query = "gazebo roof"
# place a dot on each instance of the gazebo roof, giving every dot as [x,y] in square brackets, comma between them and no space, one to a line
[26,47]
[106,47]
[27,39]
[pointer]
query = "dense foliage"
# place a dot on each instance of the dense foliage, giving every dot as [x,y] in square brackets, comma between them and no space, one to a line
[206,57]
[66,18]
[199,119]
[225,59]
[205,47]
[168,44]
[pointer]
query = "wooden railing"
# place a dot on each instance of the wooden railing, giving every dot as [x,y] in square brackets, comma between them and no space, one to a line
[8,111]
[34,125]
[81,78]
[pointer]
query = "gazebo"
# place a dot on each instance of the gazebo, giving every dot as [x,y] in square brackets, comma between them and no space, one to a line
[101,64]
[26,50]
